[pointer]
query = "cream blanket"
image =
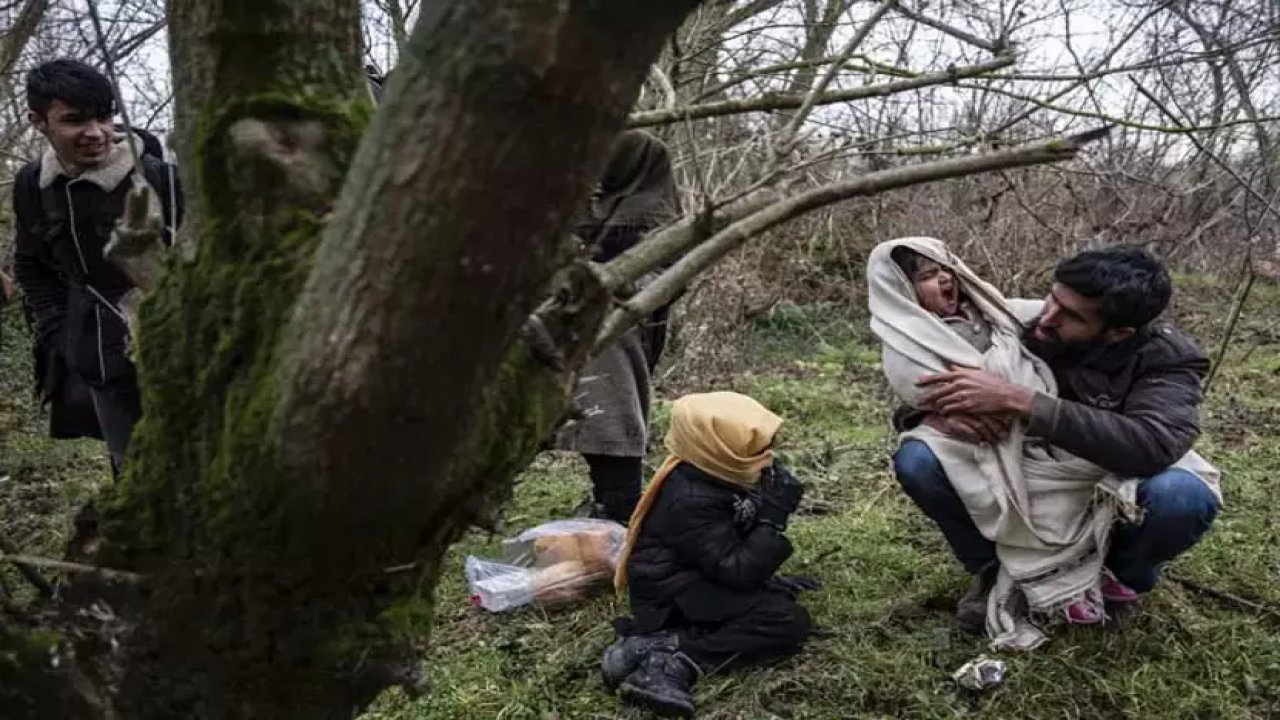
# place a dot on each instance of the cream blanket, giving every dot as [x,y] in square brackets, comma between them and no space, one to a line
[1048,512]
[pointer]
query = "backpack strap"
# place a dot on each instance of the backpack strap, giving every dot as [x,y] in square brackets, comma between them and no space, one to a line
[51,202]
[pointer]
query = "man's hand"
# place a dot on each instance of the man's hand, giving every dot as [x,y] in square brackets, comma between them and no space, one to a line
[976,429]
[6,287]
[975,392]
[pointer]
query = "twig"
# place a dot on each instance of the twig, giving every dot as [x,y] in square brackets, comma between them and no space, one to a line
[65,566]
[1224,596]
[1175,129]
[1268,206]
[110,66]
[1250,276]
[674,240]
[819,90]
[668,285]
[791,101]
[955,32]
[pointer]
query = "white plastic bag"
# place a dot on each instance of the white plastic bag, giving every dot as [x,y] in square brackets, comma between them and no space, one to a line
[552,563]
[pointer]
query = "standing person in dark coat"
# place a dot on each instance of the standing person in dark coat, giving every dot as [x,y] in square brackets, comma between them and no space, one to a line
[636,194]
[702,551]
[67,205]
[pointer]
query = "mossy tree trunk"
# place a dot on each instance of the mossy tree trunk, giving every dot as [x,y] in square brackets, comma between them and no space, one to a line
[336,381]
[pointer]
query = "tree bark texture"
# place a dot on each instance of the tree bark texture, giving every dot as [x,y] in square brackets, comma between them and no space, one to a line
[336,382]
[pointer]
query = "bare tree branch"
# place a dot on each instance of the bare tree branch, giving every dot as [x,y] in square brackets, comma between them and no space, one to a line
[664,289]
[994,47]
[819,90]
[17,37]
[791,101]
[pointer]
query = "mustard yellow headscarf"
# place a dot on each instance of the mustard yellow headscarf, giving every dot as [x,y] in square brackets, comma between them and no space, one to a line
[724,434]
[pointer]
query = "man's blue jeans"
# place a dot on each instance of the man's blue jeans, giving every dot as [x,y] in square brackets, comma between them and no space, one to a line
[1179,509]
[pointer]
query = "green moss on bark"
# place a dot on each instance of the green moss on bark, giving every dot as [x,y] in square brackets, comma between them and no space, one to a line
[200,469]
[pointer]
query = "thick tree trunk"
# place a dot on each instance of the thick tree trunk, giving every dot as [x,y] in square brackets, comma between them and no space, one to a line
[335,383]
[350,367]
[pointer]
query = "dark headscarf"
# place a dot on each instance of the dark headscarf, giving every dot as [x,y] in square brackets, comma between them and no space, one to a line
[637,188]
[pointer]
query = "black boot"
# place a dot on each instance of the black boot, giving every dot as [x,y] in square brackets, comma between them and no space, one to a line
[626,653]
[664,684]
[615,484]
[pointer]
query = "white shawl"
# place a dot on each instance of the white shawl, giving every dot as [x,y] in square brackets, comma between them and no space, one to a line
[1048,512]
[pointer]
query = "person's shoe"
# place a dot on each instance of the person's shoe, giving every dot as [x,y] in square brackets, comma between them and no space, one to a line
[971,609]
[1084,612]
[626,653]
[1117,592]
[4,474]
[663,683]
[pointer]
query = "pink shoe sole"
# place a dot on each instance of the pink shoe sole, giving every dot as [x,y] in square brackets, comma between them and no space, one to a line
[1117,592]
[1082,613]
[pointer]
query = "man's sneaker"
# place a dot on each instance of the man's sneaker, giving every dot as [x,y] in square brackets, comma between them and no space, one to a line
[664,684]
[4,475]
[971,609]
[626,653]
[1117,592]
[1084,612]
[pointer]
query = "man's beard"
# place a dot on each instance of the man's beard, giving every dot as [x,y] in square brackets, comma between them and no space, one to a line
[1053,349]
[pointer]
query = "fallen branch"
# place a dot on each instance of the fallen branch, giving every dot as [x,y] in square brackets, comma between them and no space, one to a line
[73,567]
[1229,598]
[669,285]
[44,587]
[792,101]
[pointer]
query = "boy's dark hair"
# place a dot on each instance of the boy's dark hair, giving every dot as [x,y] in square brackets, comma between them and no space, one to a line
[1132,285]
[72,82]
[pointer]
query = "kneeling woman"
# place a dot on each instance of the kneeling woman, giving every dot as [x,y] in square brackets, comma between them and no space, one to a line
[702,550]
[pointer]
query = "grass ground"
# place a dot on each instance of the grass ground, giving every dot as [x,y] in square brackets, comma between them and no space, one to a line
[890,583]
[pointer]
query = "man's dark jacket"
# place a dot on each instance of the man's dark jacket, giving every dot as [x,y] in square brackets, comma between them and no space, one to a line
[701,550]
[70,288]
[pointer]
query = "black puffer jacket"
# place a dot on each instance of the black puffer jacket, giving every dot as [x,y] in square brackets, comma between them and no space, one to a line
[702,550]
